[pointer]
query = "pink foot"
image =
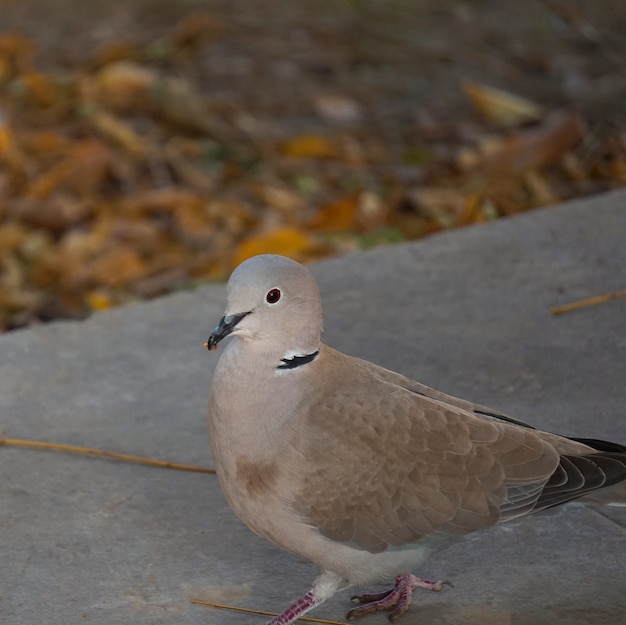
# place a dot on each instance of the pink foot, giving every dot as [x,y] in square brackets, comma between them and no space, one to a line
[395,601]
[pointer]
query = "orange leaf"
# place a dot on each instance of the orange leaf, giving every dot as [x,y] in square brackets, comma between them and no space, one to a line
[472,212]
[83,170]
[17,51]
[44,91]
[11,237]
[533,148]
[112,128]
[125,85]
[166,200]
[45,141]
[116,267]
[287,241]
[338,215]
[98,300]
[6,136]
[6,68]
[309,146]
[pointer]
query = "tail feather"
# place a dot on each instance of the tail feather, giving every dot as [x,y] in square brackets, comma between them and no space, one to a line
[601,445]
[577,476]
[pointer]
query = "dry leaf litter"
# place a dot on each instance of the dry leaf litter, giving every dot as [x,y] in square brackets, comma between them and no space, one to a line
[137,168]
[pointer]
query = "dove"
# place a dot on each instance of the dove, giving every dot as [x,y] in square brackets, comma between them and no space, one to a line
[359,469]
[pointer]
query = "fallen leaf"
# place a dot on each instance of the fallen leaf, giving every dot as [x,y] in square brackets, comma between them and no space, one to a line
[310,146]
[540,190]
[117,267]
[337,108]
[533,148]
[478,209]
[232,216]
[338,215]
[193,225]
[284,200]
[17,53]
[6,68]
[10,152]
[573,167]
[161,282]
[12,236]
[194,27]
[124,85]
[113,52]
[144,235]
[195,178]
[127,86]
[6,135]
[83,170]
[12,272]
[45,143]
[154,201]
[99,300]
[288,241]
[18,300]
[56,214]
[471,213]
[77,249]
[373,213]
[501,107]
[115,130]
[438,204]
[42,89]
[175,101]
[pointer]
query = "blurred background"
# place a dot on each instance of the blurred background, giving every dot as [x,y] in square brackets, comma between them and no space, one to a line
[149,145]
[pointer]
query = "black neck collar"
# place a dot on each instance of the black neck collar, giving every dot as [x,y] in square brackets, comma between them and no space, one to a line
[297,361]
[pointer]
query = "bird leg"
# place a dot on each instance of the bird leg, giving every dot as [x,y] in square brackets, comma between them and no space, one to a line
[324,588]
[395,601]
[297,609]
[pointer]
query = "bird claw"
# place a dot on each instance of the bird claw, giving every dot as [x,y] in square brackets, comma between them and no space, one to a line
[369,598]
[396,601]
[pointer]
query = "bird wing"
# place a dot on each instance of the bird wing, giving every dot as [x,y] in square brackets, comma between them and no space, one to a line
[383,465]
[426,391]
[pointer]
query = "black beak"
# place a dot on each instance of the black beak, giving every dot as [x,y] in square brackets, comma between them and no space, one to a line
[224,328]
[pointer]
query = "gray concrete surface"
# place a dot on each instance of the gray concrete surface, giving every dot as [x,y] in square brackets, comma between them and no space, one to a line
[93,541]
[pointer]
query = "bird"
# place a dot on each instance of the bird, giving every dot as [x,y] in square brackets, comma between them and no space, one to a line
[359,469]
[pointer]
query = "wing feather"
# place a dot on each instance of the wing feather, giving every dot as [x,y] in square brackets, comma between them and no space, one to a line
[386,461]
[396,466]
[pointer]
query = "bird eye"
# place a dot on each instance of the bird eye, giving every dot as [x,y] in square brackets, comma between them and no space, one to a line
[272,296]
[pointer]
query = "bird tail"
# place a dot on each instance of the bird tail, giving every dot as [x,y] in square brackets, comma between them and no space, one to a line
[610,494]
[578,475]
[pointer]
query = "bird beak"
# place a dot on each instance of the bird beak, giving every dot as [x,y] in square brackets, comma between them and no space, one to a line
[224,328]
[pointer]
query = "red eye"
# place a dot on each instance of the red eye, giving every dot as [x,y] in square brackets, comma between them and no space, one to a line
[272,296]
